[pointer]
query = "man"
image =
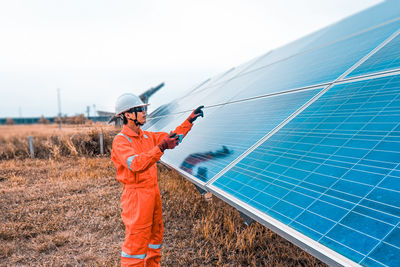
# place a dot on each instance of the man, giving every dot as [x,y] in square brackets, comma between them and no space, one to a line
[135,153]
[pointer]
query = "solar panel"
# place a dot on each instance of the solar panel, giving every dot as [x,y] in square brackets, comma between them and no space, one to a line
[332,173]
[386,59]
[229,130]
[388,11]
[306,139]
[316,66]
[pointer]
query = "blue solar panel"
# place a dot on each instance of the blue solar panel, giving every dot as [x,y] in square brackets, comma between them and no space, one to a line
[228,131]
[333,172]
[161,116]
[387,58]
[380,14]
[317,66]
[372,17]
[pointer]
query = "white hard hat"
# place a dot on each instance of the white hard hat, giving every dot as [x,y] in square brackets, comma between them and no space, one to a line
[127,101]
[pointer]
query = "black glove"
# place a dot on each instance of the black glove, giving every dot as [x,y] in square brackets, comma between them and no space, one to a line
[169,142]
[195,114]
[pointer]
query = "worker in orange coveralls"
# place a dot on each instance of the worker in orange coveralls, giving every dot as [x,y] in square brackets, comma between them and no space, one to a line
[135,153]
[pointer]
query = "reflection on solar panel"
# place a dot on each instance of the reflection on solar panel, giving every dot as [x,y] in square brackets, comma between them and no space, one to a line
[306,139]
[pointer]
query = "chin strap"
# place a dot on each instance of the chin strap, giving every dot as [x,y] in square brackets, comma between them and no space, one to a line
[137,123]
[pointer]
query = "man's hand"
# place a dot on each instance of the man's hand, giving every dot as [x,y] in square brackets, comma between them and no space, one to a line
[169,142]
[195,114]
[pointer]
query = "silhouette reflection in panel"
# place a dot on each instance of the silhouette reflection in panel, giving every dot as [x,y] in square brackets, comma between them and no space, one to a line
[190,162]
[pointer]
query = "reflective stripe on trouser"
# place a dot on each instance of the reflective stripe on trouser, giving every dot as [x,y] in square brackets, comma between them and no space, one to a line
[155,246]
[125,255]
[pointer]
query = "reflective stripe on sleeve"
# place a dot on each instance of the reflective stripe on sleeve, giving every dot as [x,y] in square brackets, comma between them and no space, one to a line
[157,246]
[125,137]
[141,256]
[129,161]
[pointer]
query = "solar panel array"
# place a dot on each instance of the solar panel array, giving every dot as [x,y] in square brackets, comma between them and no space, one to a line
[306,139]
[332,172]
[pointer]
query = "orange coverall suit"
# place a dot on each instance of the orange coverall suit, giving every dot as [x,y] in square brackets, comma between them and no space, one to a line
[135,158]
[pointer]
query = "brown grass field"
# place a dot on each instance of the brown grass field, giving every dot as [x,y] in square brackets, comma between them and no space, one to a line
[50,142]
[65,211]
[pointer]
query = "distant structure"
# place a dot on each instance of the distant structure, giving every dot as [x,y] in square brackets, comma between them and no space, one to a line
[102,116]
[144,97]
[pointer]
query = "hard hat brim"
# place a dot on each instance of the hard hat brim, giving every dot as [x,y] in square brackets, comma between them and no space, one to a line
[125,110]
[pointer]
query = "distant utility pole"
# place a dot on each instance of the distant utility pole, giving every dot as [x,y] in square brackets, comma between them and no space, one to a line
[88,111]
[59,106]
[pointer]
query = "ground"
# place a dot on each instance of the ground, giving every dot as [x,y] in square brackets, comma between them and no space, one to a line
[66,212]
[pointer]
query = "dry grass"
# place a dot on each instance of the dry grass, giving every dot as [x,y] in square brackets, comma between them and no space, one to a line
[50,142]
[67,212]
[63,209]
[39,130]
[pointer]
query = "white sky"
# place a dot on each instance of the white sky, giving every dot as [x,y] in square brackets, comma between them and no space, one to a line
[95,50]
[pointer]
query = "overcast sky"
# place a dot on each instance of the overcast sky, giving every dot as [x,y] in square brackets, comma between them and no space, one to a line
[95,50]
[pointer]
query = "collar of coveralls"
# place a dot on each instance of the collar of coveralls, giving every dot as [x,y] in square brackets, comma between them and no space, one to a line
[129,132]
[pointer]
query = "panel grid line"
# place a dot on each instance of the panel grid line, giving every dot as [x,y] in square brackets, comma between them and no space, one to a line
[305,106]
[336,163]
[261,140]
[311,87]
[292,234]
[337,180]
[336,41]
[321,200]
[335,190]
[307,182]
[317,192]
[333,160]
[379,47]
[355,230]
[388,233]
[356,164]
